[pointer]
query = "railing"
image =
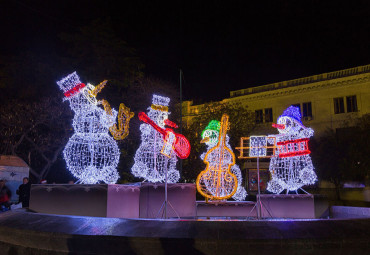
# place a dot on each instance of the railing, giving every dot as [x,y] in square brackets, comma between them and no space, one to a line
[301,81]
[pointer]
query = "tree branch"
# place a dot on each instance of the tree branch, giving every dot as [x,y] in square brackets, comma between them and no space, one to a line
[46,168]
[37,148]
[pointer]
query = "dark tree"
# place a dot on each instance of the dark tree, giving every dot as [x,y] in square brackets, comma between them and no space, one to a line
[97,53]
[36,132]
[343,155]
[28,76]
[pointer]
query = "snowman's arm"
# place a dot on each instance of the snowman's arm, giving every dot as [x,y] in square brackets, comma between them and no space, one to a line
[235,169]
[109,114]
[308,132]
[202,156]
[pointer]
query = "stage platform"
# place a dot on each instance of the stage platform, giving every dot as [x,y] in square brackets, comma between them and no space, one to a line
[181,199]
[291,206]
[146,200]
[138,200]
[25,233]
[98,200]
[296,206]
[233,209]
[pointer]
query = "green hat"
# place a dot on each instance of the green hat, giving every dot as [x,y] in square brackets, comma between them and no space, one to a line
[213,125]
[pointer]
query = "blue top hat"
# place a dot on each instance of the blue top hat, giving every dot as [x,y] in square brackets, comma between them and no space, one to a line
[293,112]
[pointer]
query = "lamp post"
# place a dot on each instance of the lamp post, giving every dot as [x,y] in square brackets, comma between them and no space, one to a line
[181,75]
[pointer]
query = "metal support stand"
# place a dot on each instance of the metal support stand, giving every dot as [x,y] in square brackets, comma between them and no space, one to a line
[305,191]
[258,206]
[181,75]
[166,202]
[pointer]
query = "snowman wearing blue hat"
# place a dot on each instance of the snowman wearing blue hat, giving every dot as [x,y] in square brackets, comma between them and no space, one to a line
[291,168]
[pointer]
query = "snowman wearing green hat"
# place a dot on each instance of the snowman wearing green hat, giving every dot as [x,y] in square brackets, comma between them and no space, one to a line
[210,136]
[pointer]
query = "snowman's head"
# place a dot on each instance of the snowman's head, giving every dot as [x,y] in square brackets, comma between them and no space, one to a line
[158,111]
[158,116]
[210,137]
[77,93]
[210,133]
[287,125]
[290,121]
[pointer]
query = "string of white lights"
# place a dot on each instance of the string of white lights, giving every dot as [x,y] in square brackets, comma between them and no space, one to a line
[150,164]
[210,137]
[291,168]
[91,154]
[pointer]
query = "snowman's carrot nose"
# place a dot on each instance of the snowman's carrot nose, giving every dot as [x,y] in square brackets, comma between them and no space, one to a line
[205,140]
[279,126]
[98,88]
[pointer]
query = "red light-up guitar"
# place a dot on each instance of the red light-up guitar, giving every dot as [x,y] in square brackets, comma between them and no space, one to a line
[178,142]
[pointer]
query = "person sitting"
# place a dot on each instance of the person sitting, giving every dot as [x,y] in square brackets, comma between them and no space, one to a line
[5,195]
[24,191]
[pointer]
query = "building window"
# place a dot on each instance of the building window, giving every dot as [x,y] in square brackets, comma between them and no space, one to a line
[259,116]
[268,115]
[307,109]
[338,105]
[351,104]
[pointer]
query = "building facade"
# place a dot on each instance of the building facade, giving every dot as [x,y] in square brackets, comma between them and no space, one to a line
[328,100]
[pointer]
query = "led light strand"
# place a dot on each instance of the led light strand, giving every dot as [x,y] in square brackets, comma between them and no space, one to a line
[159,108]
[291,168]
[74,90]
[150,164]
[91,154]
[257,146]
[210,136]
[124,117]
[95,91]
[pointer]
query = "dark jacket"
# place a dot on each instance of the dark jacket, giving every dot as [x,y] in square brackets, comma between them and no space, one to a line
[24,194]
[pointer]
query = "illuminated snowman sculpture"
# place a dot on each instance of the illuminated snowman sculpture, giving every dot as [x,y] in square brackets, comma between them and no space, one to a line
[291,168]
[210,136]
[91,154]
[160,146]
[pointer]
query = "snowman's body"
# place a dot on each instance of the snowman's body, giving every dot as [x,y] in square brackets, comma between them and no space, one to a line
[91,154]
[150,163]
[291,168]
[240,193]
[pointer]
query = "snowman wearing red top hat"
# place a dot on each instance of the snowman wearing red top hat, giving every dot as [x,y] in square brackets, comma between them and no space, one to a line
[91,154]
[291,168]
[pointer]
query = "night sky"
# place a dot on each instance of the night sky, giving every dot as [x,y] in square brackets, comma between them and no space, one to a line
[219,45]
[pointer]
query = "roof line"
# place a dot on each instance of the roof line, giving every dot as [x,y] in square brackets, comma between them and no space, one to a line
[301,81]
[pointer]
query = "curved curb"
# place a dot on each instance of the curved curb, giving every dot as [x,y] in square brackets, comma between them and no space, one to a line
[24,232]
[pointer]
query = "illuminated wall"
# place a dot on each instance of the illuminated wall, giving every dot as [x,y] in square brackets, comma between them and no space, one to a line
[326,100]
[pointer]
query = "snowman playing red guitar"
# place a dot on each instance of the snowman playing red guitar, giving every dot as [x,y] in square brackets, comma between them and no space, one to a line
[172,141]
